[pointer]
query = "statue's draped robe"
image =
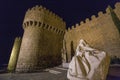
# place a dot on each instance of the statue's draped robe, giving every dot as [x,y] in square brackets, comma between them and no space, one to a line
[88,64]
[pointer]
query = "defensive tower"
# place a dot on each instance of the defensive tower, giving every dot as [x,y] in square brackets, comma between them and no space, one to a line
[44,37]
[14,54]
[42,40]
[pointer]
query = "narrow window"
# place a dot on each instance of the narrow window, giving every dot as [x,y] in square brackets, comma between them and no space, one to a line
[56,30]
[47,26]
[27,23]
[43,25]
[39,24]
[35,23]
[53,29]
[24,24]
[31,22]
[50,27]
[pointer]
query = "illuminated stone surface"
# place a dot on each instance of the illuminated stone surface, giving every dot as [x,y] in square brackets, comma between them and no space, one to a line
[44,36]
[14,54]
[42,40]
[101,32]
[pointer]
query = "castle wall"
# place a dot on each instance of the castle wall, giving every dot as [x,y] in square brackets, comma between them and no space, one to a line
[14,54]
[46,17]
[99,32]
[117,9]
[29,49]
[42,40]
[44,32]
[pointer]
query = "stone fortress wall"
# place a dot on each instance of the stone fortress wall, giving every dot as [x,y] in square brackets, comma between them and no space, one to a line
[42,40]
[14,54]
[41,16]
[100,32]
[44,37]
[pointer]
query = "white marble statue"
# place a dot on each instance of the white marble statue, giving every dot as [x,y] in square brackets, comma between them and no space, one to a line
[88,63]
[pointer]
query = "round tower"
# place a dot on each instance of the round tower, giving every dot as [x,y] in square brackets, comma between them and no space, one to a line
[42,40]
[14,55]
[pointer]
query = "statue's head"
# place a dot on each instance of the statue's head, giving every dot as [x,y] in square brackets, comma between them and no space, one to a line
[84,46]
[82,43]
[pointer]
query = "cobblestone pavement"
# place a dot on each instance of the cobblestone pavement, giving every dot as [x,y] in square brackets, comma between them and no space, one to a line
[56,73]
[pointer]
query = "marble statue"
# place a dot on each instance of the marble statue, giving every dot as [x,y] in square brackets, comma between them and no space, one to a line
[88,63]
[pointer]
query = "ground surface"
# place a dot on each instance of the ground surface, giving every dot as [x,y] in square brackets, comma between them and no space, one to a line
[56,73]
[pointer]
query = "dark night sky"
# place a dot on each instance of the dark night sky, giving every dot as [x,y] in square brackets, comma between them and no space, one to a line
[12,14]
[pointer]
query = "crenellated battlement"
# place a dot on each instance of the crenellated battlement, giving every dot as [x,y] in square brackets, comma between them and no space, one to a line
[81,23]
[17,38]
[117,9]
[87,20]
[101,31]
[42,39]
[41,8]
[43,26]
[117,5]
[45,35]
[100,13]
[94,18]
[41,14]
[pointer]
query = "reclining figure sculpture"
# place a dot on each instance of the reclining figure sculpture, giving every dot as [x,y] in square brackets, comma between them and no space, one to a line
[88,63]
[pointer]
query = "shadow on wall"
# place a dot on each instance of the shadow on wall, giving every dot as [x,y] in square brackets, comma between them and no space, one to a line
[115,60]
[72,49]
[115,19]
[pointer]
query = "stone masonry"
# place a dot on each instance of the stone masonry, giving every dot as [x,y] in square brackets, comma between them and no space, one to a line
[14,55]
[45,37]
[102,32]
[42,40]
